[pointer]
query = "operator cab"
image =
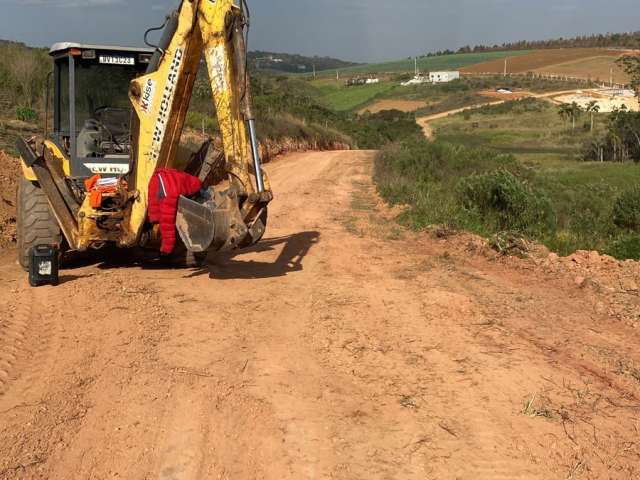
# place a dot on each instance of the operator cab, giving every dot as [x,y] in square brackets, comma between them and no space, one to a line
[92,111]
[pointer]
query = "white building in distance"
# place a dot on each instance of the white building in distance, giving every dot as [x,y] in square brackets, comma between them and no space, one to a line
[443,77]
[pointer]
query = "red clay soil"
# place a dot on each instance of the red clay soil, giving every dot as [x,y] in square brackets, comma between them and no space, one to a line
[394,104]
[340,347]
[9,174]
[598,69]
[539,59]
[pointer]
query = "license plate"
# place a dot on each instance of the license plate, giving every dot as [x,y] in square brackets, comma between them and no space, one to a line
[116,60]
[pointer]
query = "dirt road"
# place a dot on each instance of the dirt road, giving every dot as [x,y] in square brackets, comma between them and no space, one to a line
[393,104]
[340,348]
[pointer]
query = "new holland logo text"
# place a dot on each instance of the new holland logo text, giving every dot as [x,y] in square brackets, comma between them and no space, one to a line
[165,104]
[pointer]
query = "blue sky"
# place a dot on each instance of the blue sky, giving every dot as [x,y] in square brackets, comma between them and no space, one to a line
[360,30]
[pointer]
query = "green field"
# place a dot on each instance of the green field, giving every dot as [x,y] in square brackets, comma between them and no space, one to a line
[439,98]
[337,96]
[425,64]
[515,168]
[531,127]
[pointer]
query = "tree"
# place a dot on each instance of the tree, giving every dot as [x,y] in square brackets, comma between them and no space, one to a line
[592,108]
[564,111]
[631,65]
[570,111]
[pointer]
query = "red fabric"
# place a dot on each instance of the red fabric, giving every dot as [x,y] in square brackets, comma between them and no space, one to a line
[165,189]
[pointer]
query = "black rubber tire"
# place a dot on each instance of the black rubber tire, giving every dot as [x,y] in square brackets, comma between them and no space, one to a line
[36,224]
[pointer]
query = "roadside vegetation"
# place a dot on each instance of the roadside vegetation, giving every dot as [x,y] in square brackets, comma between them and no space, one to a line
[23,75]
[517,170]
[292,108]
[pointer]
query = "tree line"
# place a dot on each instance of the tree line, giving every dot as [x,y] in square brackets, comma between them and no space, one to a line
[629,40]
[621,142]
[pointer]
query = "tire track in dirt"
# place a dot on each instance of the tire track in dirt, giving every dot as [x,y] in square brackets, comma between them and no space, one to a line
[25,341]
[551,368]
[339,347]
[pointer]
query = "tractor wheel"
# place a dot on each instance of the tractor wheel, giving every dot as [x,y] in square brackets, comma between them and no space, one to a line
[36,223]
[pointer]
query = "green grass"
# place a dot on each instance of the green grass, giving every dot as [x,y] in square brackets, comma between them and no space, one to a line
[444,62]
[339,97]
[517,170]
[530,127]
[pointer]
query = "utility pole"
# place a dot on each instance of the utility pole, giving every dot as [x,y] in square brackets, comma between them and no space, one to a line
[505,67]
[314,71]
[611,77]
[337,75]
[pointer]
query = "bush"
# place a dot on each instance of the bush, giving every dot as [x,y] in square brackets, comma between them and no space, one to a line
[627,247]
[525,105]
[373,131]
[197,120]
[506,201]
[26,114]
[427,175]
[479,190]
[626,210]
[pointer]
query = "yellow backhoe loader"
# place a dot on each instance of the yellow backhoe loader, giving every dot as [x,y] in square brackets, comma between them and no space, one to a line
[119,112]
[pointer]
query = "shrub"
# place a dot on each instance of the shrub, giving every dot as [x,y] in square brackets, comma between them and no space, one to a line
[26,114]
[198,120]
[525,105]
[505,200]
[626,247]
[626,210]
[492,195]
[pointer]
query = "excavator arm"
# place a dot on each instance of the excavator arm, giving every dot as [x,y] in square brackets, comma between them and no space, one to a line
[232,211]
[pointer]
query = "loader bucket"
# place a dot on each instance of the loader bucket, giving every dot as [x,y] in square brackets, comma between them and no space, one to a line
[211,223]
[195,224]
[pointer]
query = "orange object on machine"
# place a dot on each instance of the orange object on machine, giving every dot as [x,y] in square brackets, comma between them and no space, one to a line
[96,191]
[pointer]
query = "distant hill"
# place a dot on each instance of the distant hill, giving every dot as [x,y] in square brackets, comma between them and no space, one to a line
[425,64]
[291,63]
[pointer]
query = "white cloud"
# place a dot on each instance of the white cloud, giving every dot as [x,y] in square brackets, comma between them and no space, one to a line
[72,3]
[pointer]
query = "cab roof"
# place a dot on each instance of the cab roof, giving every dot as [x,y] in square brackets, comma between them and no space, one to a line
[62,47]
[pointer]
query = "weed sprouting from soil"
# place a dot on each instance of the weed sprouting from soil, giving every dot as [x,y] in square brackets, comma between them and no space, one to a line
[531,410]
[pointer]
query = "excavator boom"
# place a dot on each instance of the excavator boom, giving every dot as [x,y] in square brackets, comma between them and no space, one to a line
[215,30]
